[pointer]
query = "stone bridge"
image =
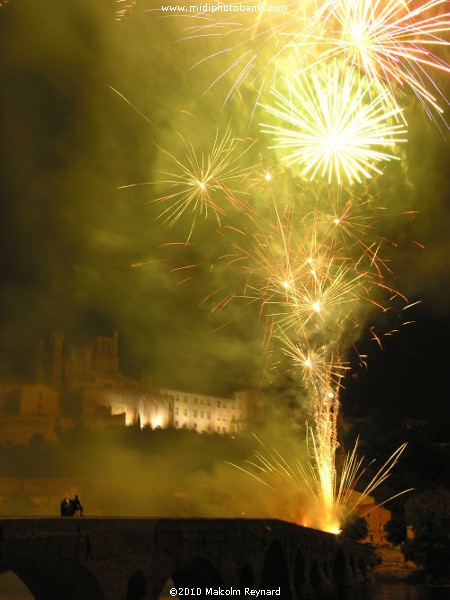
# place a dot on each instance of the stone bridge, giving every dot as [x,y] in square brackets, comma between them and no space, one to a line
[135,559]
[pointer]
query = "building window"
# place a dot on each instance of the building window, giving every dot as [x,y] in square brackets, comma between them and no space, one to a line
[201,414]
[176,410]
[208,415]
[195,413]
[195,426]
[175,423]
[185,412]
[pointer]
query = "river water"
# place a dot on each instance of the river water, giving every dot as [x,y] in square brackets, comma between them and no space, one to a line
[394,591]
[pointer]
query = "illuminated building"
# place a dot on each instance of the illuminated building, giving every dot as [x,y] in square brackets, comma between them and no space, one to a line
[27,410]
[376,517]
[212,414]
[86,386]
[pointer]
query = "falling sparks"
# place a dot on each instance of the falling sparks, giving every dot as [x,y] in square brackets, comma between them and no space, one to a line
[333,491]
[258,40]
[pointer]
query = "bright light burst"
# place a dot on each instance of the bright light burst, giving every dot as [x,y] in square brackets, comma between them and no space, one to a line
[337,500]
[393,41]
[397,42]
[334,124]
[320,365]
[203,182]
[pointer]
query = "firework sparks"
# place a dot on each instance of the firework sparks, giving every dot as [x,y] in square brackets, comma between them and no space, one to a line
[258,42]
[299,274]
[393,41]
[350,222]
[334,124]
[124,8]
[334,491]
[202,183]
[318,364]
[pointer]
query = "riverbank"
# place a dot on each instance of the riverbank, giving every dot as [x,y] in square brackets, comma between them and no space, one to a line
[392,566]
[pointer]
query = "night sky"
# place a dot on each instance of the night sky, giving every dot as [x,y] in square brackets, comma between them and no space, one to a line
[70,236]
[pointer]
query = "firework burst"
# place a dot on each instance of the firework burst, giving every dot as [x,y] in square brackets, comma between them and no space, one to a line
[320,365]
[392,41]
[334,124]
[333,490]
[203,183]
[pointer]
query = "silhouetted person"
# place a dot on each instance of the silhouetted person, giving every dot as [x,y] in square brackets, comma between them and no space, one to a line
[66,508]
[70,506]
[76,505]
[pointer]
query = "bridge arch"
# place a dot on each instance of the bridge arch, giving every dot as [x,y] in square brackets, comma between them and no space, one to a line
[299,575]
[11,584]
[137,586]
[246,577]
[196,572]
[315,576]
[51,578]
[340,567]
[275,571]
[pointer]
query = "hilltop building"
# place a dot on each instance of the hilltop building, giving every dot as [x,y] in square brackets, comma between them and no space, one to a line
[85,385]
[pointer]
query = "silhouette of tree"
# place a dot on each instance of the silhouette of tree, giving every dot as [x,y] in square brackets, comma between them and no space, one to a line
[429,515]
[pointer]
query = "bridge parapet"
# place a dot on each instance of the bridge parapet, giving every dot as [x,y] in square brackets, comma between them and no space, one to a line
[132,559]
